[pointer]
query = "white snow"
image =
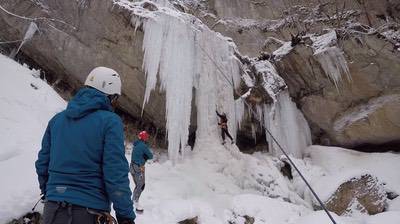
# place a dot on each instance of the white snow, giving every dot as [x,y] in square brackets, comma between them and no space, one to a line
[394,205]
[265,210]
[217,183]
[288,125]
[283,50]
[384,166]
[320,43]
[24,114]
[271,81]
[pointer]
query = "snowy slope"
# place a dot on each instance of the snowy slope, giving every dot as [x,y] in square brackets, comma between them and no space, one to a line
[24,114]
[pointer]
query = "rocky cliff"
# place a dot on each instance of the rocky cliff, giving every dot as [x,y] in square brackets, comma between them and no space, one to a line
[349,91]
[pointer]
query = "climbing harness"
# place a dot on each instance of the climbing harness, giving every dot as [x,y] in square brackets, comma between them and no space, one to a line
[273,138]
[102,217]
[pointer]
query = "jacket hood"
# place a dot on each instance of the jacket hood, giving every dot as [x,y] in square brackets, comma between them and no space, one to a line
[86,101]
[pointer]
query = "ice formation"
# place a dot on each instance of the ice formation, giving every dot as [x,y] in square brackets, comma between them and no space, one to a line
[330,57]
[32,29]
[288,125]
[187,55]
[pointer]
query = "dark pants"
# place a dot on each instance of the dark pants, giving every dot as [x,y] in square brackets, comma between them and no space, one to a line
[139,179]
[225,131]
[62,213]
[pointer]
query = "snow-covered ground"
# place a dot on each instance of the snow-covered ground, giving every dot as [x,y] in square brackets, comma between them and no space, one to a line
[216,183]
[26,105]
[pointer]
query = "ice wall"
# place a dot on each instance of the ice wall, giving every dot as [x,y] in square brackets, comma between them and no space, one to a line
[288,125]
[183,54]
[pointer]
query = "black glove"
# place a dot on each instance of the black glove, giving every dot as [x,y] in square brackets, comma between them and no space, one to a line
[43,196]
[122,220]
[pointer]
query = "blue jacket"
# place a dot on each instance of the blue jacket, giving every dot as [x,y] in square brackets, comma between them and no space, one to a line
[82,160]
[141,153]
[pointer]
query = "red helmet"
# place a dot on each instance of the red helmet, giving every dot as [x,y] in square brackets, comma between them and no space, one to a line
[144,136]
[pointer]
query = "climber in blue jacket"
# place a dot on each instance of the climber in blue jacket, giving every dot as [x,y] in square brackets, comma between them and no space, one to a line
[81,166]
[140,154]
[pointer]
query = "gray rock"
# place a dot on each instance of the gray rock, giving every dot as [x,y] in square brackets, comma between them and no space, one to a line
[189,221]
[98,34]
[363,194]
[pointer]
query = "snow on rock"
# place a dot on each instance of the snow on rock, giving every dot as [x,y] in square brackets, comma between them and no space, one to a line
[27,105]
[186,55]
[348,193]
[363,111]
[288,125]
[335,160]
[330,57]
[283,50]
[271,81]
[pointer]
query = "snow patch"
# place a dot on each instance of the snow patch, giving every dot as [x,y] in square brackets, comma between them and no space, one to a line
[23,119]
[271,81]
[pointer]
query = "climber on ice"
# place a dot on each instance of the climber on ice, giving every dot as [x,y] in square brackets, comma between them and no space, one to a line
[140,154]
[81,166]
[223,123]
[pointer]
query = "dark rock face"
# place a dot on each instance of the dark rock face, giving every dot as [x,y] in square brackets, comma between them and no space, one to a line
[360,111]
[357,114]
[97,33]
[189,221]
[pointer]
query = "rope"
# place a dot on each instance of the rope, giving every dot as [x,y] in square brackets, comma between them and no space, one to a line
[274,139]
[11,42]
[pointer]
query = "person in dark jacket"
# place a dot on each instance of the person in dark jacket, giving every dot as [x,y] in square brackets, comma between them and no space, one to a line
[81,166]
[140,154]
[223,123]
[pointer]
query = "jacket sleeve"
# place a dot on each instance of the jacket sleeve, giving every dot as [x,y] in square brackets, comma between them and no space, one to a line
[116,169]
[42,163]
[147,153]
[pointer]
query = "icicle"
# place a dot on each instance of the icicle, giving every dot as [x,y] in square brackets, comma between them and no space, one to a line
[187,55]
[32,29]
[334,64]
[330,57]
[288,126]
[239,111]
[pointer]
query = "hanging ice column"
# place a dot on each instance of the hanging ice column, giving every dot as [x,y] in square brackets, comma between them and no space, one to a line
[282,118]
[288,126]
[330,57]
[186,55]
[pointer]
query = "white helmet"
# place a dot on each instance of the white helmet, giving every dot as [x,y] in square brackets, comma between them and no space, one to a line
[105,80]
